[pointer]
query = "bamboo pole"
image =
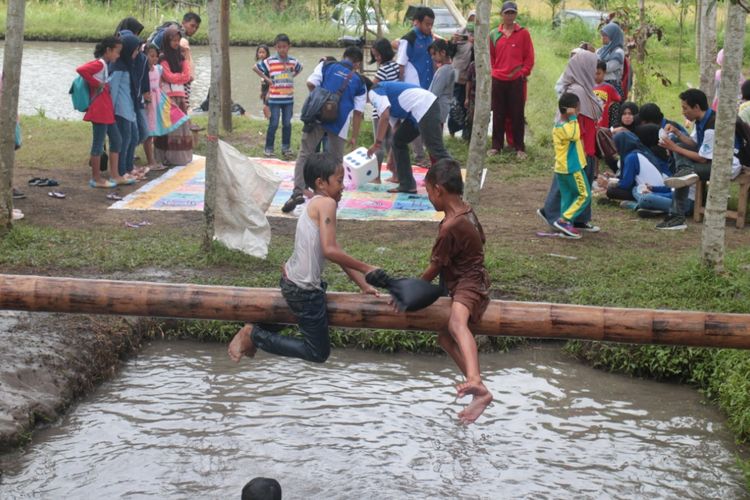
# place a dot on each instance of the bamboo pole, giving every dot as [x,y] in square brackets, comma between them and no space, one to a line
[503,318]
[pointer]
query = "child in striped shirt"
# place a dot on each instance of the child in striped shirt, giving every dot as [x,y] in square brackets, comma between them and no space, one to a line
[279,71]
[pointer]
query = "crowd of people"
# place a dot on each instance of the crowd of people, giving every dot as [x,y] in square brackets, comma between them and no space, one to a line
[139,92]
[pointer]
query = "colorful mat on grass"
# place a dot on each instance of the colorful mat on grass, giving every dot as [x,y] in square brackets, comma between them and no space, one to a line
[182,188]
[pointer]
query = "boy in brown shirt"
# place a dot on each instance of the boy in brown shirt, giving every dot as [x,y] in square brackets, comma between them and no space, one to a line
[458,257]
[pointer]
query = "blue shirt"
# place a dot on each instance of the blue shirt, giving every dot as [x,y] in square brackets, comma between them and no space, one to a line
[122,98]
[332,77]
[419,56]
[405,100]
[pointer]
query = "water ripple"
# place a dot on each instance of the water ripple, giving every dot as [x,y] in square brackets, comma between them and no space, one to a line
[184,422]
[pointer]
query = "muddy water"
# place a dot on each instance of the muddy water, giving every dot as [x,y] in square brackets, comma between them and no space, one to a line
[183,422]
[49,68]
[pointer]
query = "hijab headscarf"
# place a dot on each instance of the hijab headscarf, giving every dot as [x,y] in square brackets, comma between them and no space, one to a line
[130,44]
[130,24]
[578,78]
[627,142]
[633,107]
[616,41]
[173,57]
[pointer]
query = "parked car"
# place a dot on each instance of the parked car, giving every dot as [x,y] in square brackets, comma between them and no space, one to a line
[345,17]
[445,24]
[590,18]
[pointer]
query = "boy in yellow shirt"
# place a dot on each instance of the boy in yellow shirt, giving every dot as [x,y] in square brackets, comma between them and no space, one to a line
[575,192]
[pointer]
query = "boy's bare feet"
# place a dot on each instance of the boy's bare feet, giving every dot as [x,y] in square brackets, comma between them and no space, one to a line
[481,398]
[242,344]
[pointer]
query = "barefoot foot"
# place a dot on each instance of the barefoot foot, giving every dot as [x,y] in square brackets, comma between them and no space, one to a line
[482,398]
[242,344]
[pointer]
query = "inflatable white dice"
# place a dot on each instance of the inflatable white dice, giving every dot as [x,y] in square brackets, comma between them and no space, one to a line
[359,169]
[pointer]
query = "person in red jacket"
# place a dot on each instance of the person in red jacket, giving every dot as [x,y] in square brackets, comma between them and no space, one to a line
[101,112]
[511,58]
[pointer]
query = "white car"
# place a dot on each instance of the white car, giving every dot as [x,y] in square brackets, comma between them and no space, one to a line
[347,18]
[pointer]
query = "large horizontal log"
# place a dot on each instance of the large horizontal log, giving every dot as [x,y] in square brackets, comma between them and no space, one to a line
[508,318]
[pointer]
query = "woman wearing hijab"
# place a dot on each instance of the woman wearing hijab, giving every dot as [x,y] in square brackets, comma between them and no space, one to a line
[176,148]
[578,78]
[613,53]
[638,168]
[641,178]
[121,86]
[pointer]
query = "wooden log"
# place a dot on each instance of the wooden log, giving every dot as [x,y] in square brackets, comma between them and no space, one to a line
[508,318]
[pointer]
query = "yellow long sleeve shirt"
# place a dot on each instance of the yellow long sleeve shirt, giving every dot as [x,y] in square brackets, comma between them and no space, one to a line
[569,155]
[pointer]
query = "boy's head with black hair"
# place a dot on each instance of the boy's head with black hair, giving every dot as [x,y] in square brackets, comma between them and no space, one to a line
[567,101]
[694,104]
[444,178]
[190,23]
[441,45]
[282,44]
[354,54]
[324,175]
[423,19]
[745,90]
[262,488]
[650,113]
[601,70]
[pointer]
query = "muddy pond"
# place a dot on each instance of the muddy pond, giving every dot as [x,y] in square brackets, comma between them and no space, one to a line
[182,421]
[49,68]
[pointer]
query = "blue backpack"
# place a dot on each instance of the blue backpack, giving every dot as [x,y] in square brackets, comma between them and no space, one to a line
[79,94]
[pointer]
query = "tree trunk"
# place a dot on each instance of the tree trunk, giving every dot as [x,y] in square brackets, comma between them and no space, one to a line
[482,105]
[11,78]
[212,145]
[226,76]
[642,36]
[707,60]
[712,244]
[697,20]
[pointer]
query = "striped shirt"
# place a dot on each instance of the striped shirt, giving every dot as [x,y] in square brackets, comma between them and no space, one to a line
[387,72]
[282,73]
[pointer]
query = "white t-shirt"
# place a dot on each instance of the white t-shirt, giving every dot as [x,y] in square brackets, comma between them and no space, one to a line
[648,173]
[410,72]
[707,150]
[415,101]
[316,78]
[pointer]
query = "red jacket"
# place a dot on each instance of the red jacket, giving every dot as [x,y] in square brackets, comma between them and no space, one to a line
[101,109]
[511,57]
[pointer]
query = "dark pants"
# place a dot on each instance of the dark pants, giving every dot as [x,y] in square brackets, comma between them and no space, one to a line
[459,96]
[680,195]
[552,203]
[430,129]
[285,110]
[129,140]
[508,101]
[309,307]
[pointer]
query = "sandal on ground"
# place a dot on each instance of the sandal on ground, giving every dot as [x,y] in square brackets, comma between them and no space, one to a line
[158,168]
[493,152]
[45,183]
[521,155]
[124,182]
[56,194]
[17,214]
[105,184]
[36,180]
[114,196]
[291,203]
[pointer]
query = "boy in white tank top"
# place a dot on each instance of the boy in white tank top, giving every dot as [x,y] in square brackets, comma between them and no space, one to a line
[301,283]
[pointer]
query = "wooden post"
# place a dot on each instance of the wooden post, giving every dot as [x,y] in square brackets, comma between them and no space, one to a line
[226,75]
[11,78]
[212,145]
[350,310]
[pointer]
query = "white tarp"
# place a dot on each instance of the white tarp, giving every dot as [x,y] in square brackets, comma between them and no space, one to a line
[244,191]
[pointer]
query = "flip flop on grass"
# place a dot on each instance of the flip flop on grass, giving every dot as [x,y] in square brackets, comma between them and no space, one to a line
[56,194]
[114,196]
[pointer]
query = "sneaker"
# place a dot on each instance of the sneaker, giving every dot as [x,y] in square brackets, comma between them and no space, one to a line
[682,178]
[648,213]
[541,214]
[672,223]
[287,155]
[268,154]
[588,227]
[18,195]
[628,205]
[291,203]
[567,229]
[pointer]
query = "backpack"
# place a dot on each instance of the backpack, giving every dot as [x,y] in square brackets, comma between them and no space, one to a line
[742,141]
[323,105]
[79,94]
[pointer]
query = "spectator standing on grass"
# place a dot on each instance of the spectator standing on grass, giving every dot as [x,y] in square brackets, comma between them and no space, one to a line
[279,72]
[388,71]
[612,53]
[512,59]
[442,83]
[340,76]
[464,42]
[578,78]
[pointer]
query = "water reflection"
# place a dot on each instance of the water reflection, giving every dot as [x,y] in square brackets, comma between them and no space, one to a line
[48,69]
[184,422]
